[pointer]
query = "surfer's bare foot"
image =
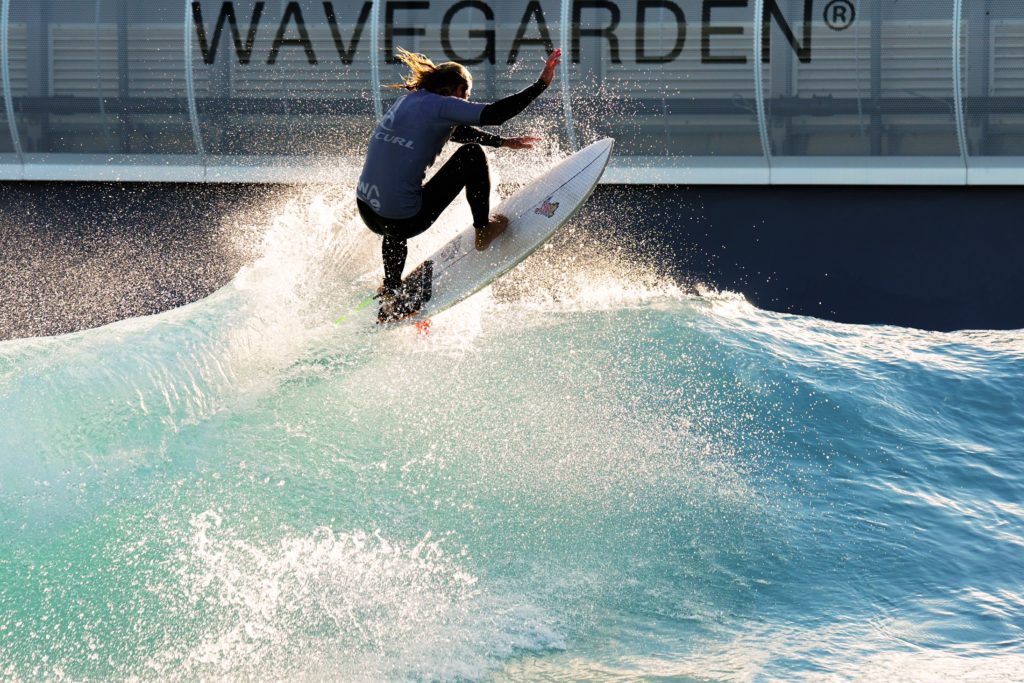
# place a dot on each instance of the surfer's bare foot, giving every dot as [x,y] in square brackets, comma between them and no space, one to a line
[494,227]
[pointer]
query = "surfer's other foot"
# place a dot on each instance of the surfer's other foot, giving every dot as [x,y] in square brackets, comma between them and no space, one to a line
[494,227]
[386,292]
[395,308]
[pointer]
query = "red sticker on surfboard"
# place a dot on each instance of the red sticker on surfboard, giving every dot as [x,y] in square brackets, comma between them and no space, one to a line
[547,208]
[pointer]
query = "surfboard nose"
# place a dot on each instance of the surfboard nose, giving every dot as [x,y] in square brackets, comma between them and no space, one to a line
[604,145]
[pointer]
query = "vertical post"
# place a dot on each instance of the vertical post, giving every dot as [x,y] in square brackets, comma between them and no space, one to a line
[876,78]
[958,94]
[762,119]
[782,70]
[38,49]
[190,87]
[378,107]
[123,89]
[5,63]
[96,15]
[490,72]
[563,39]
[976,92]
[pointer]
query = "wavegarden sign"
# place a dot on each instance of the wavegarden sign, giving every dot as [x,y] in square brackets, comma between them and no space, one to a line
[406,19]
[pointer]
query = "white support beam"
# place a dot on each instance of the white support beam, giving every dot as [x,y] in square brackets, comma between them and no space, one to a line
[190,87]
[564,40]
[5,68]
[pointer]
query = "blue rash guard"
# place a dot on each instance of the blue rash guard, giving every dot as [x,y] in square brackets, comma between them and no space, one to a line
[405,144]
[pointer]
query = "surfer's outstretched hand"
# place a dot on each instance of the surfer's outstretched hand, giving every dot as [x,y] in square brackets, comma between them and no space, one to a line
[554,59]
[519,143]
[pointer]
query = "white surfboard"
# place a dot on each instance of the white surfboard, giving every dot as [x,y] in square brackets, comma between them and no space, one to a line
[535,212]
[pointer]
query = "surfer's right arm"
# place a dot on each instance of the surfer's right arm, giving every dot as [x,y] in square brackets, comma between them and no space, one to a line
[469,134]
[497,113]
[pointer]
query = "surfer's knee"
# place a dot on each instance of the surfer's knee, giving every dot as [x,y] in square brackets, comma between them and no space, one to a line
[474,154]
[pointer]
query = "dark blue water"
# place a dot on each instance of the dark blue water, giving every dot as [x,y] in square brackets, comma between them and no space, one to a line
[581,473]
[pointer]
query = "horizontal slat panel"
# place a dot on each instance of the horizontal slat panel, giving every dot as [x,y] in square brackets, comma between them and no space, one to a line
[1007,73]
[916,60]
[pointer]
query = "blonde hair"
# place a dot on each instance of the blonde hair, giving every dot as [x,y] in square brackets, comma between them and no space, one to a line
[443,79]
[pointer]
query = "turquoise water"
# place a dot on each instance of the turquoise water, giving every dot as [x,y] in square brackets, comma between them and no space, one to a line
[581,473]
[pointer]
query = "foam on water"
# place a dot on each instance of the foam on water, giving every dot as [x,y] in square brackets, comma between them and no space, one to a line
[584,471]
[348,605]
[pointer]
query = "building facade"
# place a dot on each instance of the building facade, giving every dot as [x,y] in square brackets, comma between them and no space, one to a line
[695,91]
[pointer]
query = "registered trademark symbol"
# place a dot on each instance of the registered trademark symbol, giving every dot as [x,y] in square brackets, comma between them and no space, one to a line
[839,14]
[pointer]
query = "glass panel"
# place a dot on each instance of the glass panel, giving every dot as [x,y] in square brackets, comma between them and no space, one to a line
[283,78]
[666,78]
[866,78]
[54,51]
[17,45]
[994,86]
[153,113]
[99,77]
[7,155]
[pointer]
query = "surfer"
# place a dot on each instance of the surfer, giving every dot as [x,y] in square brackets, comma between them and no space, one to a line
[392,198]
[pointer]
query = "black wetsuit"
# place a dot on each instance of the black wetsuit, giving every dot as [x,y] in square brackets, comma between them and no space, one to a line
[467,168]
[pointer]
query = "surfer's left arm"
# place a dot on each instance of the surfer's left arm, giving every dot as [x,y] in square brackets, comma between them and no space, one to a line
[497,113]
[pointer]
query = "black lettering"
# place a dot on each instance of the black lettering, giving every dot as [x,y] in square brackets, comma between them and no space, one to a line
[707,30]
[292,12]
[771,9]
[641,15]
[487,34]
[389,25]
[227,13]
[357,32]
[533,9]
[606,32]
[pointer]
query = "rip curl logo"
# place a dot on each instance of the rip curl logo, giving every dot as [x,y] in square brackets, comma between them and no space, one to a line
[547,208]
[388,122]
[393,139]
